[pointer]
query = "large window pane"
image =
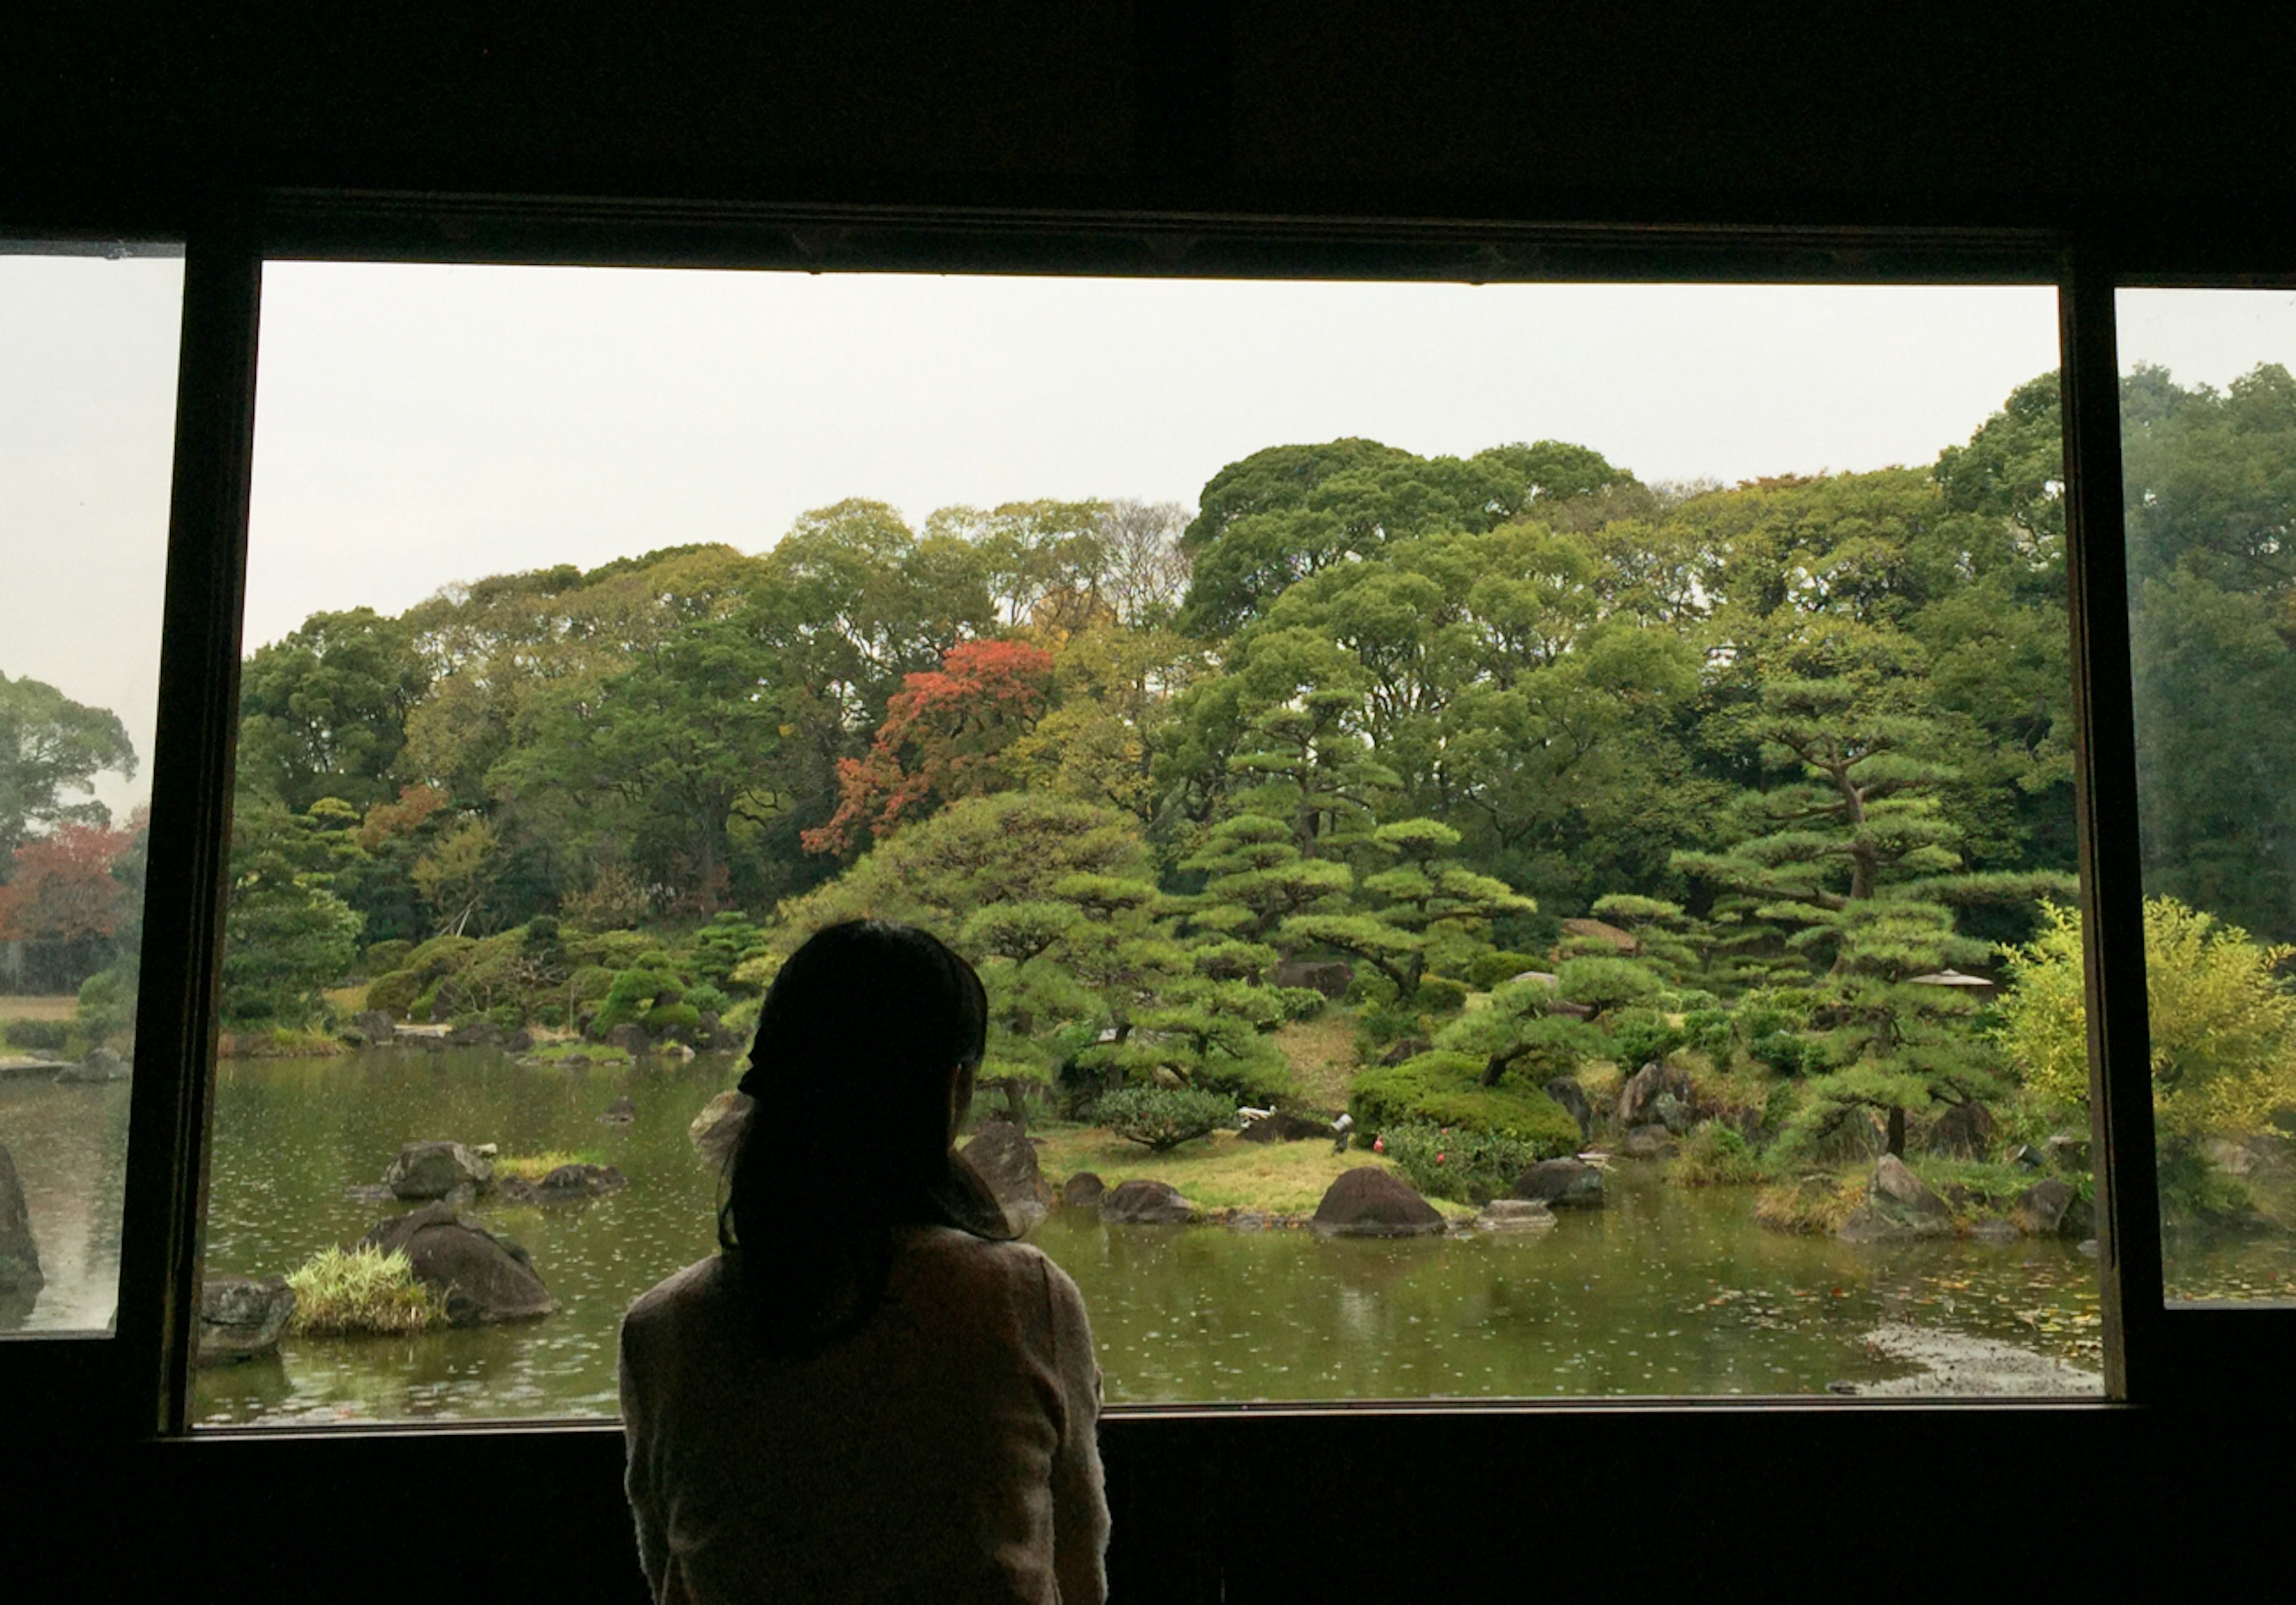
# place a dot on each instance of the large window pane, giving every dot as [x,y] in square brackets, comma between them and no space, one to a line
[1537,722]
[87,382]
[2209,445]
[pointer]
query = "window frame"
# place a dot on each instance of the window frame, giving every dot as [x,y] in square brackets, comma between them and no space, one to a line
[135,1386]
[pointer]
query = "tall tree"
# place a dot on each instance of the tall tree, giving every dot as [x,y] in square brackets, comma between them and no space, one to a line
[50,747]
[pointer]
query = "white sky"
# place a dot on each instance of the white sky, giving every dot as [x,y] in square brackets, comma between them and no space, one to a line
[421,425]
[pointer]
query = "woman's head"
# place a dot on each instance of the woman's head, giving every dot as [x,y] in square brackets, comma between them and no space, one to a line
[861,1067]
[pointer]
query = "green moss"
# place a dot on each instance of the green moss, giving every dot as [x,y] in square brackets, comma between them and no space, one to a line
[534,1166]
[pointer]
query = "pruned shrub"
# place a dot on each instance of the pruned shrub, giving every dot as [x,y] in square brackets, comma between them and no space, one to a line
[1440,995]
[1442,1089]
[383,957]
[1715,1155]
[347,1291]
[1490,969]
[1163,1118]
[38,1036]
[1300,1003]
[1639,1036]
[1455,1162]
[1709,1031]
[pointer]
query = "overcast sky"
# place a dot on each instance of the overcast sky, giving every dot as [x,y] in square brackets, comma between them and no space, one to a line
[422,425]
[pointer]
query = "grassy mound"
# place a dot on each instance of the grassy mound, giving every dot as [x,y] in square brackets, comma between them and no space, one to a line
[347,1291]
[1443,1089]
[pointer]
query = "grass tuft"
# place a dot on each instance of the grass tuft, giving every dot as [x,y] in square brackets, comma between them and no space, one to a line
[346,1291]
[1812,1204]
[534,1166]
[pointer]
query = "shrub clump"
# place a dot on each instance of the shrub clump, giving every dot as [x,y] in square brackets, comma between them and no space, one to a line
[38,1036]
[350,1291]
[1715,1156]
[1161,1118]
[1443,1089]
[1814,1204]
[1472,1167]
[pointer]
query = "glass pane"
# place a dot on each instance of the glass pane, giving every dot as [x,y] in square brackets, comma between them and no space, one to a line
[1490,713]
[87,398]
[2209,446]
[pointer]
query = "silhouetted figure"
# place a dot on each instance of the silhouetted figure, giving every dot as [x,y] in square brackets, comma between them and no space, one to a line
[871,1393]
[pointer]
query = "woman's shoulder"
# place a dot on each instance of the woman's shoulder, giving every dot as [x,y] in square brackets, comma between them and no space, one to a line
[698,1286]
[947,1252]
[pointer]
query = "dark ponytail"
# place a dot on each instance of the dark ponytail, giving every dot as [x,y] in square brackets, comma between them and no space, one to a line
[847,1136]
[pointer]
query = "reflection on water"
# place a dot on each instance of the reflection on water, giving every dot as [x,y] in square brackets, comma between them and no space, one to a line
[1663,1291]
[69,1145]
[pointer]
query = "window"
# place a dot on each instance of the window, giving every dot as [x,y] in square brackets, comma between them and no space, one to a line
[2208,443]
[88,348]
[1428,702]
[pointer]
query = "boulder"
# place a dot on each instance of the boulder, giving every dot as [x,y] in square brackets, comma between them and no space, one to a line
[1898,1207]
[1024,1215]
[1144,1203]
[1566,1090]
[1410,1047]
[1244,1220]
[1370,1202]
[1083,1190]
[719,1128]
[631,1039]
[102,1064]
[1993,1229]
[1963,1133]
[1650,1142]
[20,1261]
[1560,1184]
[2051,1208]
[1638,1098]
[1331,977]
[378,1027]
[521,1041]
[478,1034]
[1289,1125]
[1515,1215]
[432,1170]
[242,1318]
[479,1277]
[580,1181]
[1004,1158]
[621,1111]
[1674,1113]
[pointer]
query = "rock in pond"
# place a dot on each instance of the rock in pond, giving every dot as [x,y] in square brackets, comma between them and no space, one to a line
[1560,1184]
[719,1128]
[480,1278]
[20,1261]
[1515,1215]
[1083,1190]
[1638,1098]
[1650,1142]
[1004,1157]
[1144,1203]
[102,1064]
[1369,1202]
[1899,1207]
[432,1170]
[478,1034]
[2051,1208]
[621,1111]
[566,1181]
[243,1318]
[631,1039]
[378,1027]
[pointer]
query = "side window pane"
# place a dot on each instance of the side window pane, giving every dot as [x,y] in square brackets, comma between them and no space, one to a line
[2209,446]
[87,396]
[1608,744]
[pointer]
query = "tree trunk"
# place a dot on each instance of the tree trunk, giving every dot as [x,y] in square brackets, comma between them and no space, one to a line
[1898,1133]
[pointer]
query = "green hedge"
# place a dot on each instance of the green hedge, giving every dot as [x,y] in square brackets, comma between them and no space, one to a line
[1441,1089]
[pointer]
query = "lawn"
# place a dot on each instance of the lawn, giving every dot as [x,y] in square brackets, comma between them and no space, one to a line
[37,1008]
[1323,1056]
[1219,1172]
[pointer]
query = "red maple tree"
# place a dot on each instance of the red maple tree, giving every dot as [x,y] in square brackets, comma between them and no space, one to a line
[63,888]
[944,737]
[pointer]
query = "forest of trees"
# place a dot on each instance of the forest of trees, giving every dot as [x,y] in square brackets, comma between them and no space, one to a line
[1801,740]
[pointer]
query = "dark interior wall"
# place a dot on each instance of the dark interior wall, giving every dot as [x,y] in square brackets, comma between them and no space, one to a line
[111,122]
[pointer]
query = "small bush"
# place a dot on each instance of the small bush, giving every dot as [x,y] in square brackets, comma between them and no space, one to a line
[672,1016]
[742,1016]
[534,1166]
[1639,1036]
[1441,1089]
[1716,1155]
[1709,1031]
[1440,995]
[383,957]
[708,999]
[1163,1118]
[38,1036]
[107,1005]
[1491,969]
[1782,1052]
[341,1292]
[1300,1003]
[1386,1094]
[1816,1204]
[1472,1167]
[395,993]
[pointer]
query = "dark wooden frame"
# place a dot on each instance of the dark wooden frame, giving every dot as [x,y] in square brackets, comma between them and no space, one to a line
[131,1390]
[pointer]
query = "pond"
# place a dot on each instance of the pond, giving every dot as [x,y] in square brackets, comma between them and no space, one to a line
[1665,1290]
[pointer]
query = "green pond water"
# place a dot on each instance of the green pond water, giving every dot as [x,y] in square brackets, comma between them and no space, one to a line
[1665,1290]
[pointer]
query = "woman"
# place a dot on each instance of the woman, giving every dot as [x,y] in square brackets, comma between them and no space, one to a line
[871,1393]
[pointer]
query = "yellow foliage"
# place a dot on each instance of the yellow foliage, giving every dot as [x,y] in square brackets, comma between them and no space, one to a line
[2223,1022]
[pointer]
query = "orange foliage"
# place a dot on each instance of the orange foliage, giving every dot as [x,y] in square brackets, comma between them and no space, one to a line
[63,887]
